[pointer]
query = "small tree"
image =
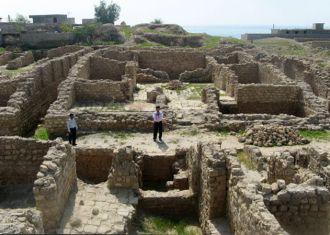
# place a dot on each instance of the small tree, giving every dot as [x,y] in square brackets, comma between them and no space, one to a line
[21,19]
[157,21]
[107,13]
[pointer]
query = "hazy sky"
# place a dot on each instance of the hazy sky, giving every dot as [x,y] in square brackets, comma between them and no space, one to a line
[186,12]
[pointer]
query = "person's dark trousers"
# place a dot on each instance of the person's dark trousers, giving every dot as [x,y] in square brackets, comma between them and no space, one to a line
[73,136]
[158,128]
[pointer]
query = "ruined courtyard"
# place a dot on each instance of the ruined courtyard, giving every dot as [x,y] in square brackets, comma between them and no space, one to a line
[233,159]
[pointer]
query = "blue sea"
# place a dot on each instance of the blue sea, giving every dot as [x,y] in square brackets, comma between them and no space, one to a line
[235,30]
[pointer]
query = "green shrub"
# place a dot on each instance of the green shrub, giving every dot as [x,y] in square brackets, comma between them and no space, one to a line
[157,21]
[66,28]
[2,50]
[41,133]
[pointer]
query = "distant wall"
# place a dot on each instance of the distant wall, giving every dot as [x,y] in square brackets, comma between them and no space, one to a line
[246,73]
[103,68]
[60,51]
[39,40]
[270,99]
[103,91]
[172,62]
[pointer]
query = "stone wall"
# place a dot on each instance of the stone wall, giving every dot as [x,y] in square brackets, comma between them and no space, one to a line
[247,211]
[20,160]
[173,203]
[272,99]
[210,96]
[225,79]
[55,181]
[246,73]
[23,60]
[213,183]
[157,168]
[301,210]
[60,51]
[174,62]
[93,164]
[119,54]
[103,90]
[33,96]
[103,68]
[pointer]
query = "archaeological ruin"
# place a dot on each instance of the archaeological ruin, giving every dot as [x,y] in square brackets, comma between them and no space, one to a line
[232,157]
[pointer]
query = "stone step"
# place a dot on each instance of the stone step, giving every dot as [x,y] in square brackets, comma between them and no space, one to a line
[180,180]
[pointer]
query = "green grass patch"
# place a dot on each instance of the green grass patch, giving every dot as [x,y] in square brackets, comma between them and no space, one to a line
[41,133]
[127,31]
[315,135]
[160,225]
[2,50]
[245,160]
[211,41]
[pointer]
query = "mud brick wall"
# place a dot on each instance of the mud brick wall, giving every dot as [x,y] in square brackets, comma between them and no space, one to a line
[210,96]
[158,168]
[226,79]
[213,183]
[193,158]
[271,99]
[24,60]
[95,121]
[246,73]
[301,210]
[7,88]
[93,164]
[172,62]
[247,212]
[103,68]
[60,51]
[55,181]
[268,74]
[173,203]
[103,91]
[20,159]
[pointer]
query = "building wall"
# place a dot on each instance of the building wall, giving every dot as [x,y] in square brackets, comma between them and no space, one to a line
[246,73]
[49,19]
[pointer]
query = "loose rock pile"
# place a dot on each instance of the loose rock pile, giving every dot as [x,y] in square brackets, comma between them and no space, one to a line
[272,135]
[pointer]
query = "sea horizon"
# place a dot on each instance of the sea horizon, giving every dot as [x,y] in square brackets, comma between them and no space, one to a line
[237,30]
